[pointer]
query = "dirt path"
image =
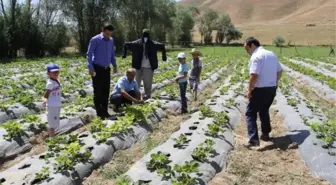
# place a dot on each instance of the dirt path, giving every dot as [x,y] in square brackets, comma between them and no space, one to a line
[271,164]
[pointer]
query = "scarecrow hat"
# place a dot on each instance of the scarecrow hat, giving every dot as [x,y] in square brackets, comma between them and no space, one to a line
[195,51]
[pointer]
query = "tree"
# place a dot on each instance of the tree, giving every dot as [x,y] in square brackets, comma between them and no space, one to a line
[279,41]
[175,32]
[3,41]
[161,21]
[183,23]
[233,34]
[11,30]
[208,23]
[223,25]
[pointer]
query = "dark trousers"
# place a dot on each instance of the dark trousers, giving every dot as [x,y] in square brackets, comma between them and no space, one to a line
[101,89]
[118,99]
[183,91]
[260,102]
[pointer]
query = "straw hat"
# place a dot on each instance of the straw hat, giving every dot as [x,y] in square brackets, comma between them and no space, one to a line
[195,51]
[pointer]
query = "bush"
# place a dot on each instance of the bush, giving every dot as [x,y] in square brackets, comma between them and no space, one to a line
[279,41]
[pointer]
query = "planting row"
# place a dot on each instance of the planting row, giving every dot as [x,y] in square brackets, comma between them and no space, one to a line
[75,115]
[120,134]
[15,110]
[330,81]
[194,154]
[310,129]
[331,67]
[315,68]
[321,90]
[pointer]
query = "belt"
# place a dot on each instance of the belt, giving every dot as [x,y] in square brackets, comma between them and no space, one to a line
[102,67]
[271,87]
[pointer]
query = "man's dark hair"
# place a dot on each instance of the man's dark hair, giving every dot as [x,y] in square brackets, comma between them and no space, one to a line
[108,27]
[252,40]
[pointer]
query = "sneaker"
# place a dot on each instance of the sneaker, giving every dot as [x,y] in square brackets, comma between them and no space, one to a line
[265,138]
[251,144]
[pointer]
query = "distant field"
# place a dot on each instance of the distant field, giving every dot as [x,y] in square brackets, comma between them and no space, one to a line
[288,51]
[296,33]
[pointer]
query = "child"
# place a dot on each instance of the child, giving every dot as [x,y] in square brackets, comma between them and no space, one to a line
[182,80]
[195,73]
[52,98]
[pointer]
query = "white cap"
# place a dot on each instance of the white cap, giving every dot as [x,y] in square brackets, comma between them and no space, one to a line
[181,55]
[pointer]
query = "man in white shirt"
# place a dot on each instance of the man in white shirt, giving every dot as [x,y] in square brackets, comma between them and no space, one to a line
[265,72]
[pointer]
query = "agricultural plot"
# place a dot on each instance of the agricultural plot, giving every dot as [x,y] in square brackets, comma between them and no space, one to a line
[193,154]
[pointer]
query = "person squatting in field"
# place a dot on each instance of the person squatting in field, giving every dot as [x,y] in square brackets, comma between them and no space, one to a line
[52,98]
[126,91]
[265,73]
[100,55]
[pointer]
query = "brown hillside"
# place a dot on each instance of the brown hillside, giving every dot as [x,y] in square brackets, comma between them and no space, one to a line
[286,17]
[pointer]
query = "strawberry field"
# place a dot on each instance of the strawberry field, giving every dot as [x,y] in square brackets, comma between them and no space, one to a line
[193,154]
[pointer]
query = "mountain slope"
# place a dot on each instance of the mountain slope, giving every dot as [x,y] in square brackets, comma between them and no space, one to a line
[265,19]
[263,11]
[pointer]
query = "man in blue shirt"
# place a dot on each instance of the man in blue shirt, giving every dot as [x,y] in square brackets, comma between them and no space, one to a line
[99,56]
[126,91]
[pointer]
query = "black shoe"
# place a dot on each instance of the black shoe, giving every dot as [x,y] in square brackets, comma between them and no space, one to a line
[184,112]
[251,144]
[265,138]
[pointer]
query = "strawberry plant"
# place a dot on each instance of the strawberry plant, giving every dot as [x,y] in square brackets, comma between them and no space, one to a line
[188,167]
[97,125]
[181,141]
[13,129]
[230,102]
[124,180]
[214,130]
[292,102]
[58,143]
[224,90]
[239,89]
[70,156]
[140,112]
[325,131]
[206,111]
[30,118]
[172,91]
[184,179]
[221,118]
[201,152]
[43,174]
[158,161]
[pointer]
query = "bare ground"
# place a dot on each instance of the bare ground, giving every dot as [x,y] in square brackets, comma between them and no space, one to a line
[271,164]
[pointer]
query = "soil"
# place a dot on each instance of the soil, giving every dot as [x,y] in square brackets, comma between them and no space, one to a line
[277,162]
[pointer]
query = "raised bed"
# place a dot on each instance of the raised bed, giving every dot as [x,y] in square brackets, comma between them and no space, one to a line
[207,141]
[301,118]
[324,91]
[104,151]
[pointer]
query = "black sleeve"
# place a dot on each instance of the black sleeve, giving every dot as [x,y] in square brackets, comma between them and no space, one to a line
[161,47]
[128,46]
